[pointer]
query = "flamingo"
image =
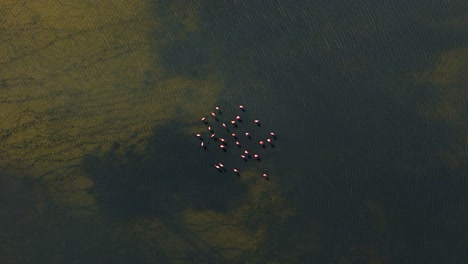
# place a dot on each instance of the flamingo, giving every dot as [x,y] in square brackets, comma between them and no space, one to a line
[273,135]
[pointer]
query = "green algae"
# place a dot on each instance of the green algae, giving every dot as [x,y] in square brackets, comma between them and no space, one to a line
[79,79]
[63,97]
[449,79]
[234,235]
[450,68]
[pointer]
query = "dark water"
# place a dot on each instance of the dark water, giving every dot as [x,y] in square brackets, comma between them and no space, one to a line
[347,142]
[365,172]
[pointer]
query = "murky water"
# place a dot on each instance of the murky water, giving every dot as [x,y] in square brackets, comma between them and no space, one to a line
[100,105]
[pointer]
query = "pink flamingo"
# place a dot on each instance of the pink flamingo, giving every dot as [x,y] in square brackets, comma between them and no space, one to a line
[273,135]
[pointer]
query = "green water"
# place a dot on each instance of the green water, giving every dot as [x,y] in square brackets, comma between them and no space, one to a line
[100,103]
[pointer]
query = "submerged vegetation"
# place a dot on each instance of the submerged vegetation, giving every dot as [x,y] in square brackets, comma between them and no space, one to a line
[84,98]
[93,95]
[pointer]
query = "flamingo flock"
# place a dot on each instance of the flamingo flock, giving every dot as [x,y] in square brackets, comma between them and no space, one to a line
[232,135]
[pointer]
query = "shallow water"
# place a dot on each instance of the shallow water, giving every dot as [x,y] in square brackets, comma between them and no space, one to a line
[100,105]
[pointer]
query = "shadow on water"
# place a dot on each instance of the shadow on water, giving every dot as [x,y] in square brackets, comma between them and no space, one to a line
[170,177]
